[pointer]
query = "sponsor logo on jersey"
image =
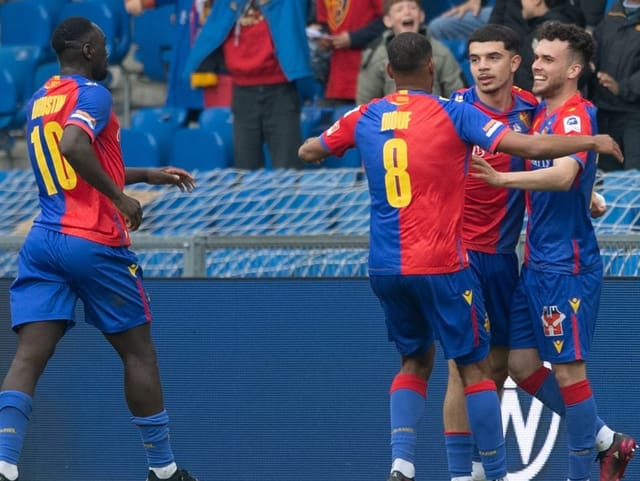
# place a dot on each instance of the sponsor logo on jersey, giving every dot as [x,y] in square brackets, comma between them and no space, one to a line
[572,124]
[552,321]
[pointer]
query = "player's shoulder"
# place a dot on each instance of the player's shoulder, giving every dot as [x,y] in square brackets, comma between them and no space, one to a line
[524,98]
[576,115]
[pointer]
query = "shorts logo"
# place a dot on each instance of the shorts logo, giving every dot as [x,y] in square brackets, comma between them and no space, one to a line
[572,124]
[552,321]
[575,304]
[468,296]
[133,269]
[558,345]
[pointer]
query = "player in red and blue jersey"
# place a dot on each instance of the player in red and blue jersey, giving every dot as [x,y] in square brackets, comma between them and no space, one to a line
[416,149]
[492,223]
[77,248]
[556,302]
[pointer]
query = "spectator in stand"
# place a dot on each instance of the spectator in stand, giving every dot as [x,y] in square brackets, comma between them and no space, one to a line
[458,22]
[404,16]
[209,86]
[265,50]
[617,89]
[349,26]
[524,17]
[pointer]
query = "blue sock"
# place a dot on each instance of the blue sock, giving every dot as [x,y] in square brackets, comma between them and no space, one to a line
[581,427]
[459,451]
[154,431]
[408,394]
[485,419]
[543,385]
[15,411]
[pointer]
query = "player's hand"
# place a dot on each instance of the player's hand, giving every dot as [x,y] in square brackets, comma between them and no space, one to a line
[608,82]
[470,6]
[134,7]
[182,179]
[130,209]
[606,145]
[598,205]
[483,170]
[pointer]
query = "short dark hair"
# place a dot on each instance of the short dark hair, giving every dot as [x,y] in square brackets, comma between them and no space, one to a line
[493,32]
[69,32]
[580,42]
[387,4]
[408,51]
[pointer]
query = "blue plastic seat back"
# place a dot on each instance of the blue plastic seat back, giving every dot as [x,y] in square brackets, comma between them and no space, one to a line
[161,123]
[139,149]
[198,149]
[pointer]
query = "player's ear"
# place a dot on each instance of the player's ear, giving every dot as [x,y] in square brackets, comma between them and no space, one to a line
[574,71]
[389,70]
[516,60]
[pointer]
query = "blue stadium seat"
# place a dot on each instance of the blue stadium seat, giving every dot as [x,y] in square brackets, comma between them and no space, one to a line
[220,121]
[314,120]
[154,33]
[433,8]
[457,47]
[339,111]
[44,72]
[139,149]
[26,23]
[161,123]
[198,149]
[350,159]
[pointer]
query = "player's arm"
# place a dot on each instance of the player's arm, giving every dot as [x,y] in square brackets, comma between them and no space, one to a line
[76,147]
[136,7]
[554,146]
[312,151]
[558,177]
[162,176]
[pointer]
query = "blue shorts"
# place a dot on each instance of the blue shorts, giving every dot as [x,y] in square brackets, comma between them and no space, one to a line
[448,307]
[556,313]
[498,274]
[55,270]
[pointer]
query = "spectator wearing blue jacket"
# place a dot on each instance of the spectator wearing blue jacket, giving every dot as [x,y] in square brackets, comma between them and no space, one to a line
[265,51]
[209,86]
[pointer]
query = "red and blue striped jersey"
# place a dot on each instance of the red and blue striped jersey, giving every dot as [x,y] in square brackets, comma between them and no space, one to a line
[560,235]
[415,149]
[492,219]
[68,203]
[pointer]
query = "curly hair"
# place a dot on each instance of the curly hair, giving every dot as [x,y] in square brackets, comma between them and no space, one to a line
[580,42]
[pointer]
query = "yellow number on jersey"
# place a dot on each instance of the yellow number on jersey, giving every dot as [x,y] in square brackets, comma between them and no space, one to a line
[396,180]
[65,175]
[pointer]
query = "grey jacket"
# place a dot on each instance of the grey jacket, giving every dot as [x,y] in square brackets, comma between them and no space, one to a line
[373,81]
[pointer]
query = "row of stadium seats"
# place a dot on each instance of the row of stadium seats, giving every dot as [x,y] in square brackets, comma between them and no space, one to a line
[281,202]
[161,136]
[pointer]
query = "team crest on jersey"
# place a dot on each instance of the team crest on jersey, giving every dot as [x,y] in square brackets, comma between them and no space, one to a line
[336,12]
[572,124]
[552,321]
[525,118]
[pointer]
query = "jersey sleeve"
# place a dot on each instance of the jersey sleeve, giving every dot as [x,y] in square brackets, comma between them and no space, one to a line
[92,110]
[341,135]
[473,126]
[575,122]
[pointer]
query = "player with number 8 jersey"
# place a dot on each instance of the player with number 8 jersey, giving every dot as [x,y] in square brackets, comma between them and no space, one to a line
[75,100]
[416,210]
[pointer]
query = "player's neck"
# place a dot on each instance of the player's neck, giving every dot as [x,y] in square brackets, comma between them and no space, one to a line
[557,99]
[500,100]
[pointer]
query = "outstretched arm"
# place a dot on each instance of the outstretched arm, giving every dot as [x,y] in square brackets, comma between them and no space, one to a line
[554,146]
[162,176]
[558,177]
[312,151]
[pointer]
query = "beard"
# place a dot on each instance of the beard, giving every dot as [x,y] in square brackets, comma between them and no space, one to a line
[550,86]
